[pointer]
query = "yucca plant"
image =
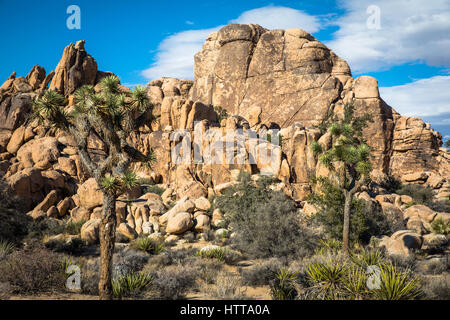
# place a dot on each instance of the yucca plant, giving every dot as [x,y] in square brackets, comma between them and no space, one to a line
[283,286]
[355,282]
[215,253]
[329,246]
[147,245]
[6,248]
[327,277]
[111,114]
[111,184]
[397,285]
[130,284]
[367,257]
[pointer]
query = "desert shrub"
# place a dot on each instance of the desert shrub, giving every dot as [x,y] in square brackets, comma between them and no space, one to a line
[155,189]
[128,261]
[396,284]
[363,223]
[227,287]
[90,276]
[437,266]
[440,205]
[391,184]
[33,270]
[71,246]
[419,193]
[401,262]
[40,228]
[74,228]
[208,270]
[283,286]
[148,245]
[437,288]
[221,113]
[172,282]
[131,284]
[13,217]
[261,273]
[264,221]
[440,226]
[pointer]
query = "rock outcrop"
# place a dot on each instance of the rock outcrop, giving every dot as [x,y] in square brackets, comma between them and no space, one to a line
[265,80]
[75,69]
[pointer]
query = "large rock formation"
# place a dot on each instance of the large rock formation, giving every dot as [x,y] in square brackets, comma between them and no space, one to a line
[292,77]
[265,80]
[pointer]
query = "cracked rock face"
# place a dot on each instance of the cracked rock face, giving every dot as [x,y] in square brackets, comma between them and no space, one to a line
[291,77]
[287,73]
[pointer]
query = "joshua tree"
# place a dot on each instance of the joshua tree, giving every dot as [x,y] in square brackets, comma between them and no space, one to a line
[447,143]
[111,115]
[348,158]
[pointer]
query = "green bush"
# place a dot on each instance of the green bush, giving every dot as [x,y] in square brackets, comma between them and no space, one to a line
[363,223]
[74,228]
[439,226]
[419,193]
[424,195]
[264,221]
[391,184]
[221,113]
[155,189]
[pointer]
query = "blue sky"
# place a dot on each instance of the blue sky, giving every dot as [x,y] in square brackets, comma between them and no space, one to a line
[142,40]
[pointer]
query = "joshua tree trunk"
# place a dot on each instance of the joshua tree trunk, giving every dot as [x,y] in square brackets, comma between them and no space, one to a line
[107,240]
[346,228]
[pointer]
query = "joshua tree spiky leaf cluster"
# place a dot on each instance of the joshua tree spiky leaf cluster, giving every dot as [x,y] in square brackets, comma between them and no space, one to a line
[112,115]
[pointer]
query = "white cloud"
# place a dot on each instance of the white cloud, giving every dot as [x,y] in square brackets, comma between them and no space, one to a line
[273,17]
[411,30]
[175,56]
[424,98]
